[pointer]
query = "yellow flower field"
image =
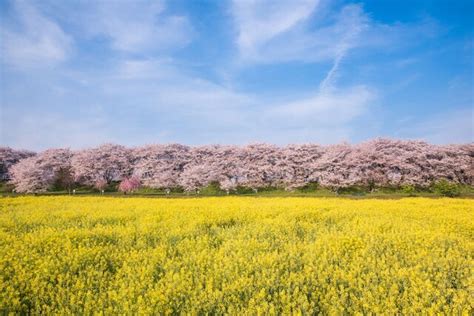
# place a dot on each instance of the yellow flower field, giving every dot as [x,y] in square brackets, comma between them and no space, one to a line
[236,255]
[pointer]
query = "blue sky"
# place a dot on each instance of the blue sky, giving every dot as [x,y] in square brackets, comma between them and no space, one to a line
[82,73]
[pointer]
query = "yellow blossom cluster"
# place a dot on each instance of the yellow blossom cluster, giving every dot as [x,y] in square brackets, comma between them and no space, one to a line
[236,255]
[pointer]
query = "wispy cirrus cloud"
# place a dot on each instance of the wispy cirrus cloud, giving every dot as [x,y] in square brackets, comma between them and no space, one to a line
[124,71]
[279,31]
[169,95]
[327,108]
[162,103]
[30,39]
[314,31]
[40,34]
[353,21]
[259,22]
[452,125]
[243,117]
[136,26]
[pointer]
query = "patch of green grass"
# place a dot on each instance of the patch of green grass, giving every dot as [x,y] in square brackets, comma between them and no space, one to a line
[313,190]
[6,187]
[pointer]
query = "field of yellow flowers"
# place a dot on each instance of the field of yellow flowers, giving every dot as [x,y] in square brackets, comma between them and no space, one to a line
[236,255]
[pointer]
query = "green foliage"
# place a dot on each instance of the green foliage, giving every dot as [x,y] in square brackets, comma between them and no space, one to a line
[212,188]
[112,187]
[388,189]
[409,189]
[148,190]
[354,190]
[63,180]
[309,187]
[438,188]
[446,188]
[177,189]
[243,190]
[84,189]
[6,187]
[269,189]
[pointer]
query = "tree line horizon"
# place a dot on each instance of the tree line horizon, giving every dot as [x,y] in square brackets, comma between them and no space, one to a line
[380,162]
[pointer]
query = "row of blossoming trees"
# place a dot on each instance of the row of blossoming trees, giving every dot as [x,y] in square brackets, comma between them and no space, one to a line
[376,163]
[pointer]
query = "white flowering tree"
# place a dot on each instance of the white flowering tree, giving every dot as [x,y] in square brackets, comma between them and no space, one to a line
[40,172]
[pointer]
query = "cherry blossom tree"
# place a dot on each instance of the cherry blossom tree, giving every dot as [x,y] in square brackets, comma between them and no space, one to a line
[129,185]
[298,164]
[160,166]
[38,173]
[108,162]
[64,179]
[9,157]
[375,163]
[100,184]
[260,165]
[212,163]
[331,170]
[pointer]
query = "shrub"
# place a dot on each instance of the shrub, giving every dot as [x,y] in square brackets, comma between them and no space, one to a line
[6,187]
[212,188]
[268,189]
[353,190]
[446,188]
[309,187]
[409,189]
[148,190]
[243,190]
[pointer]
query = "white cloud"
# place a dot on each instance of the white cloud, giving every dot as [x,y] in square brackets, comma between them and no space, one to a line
[280,31]
[140,102]
[136,26]
[145,96]
[171,87]
[139,69]
[23,129]
[351,24]
[451,126]
[163,85]
[333,108]
[141,27]
[30,39]
[260,21]
[401,35]
[316,31]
